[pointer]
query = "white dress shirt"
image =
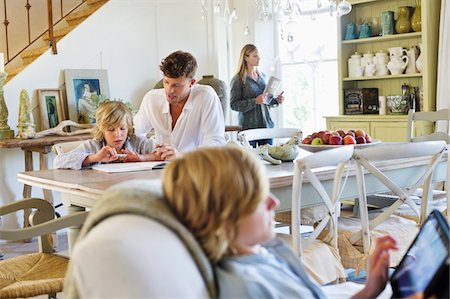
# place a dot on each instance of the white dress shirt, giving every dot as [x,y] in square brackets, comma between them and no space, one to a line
[200,123]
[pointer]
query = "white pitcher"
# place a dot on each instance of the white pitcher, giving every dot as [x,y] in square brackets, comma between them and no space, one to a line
[366,59]
[381,60]
[412,55]
[397,65]
[369,70]
[419,61]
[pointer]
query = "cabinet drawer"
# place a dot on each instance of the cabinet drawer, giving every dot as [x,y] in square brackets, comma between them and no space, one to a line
[347,125]
[389,131]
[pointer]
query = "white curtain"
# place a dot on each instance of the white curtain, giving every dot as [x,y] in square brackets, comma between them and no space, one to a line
[443,75]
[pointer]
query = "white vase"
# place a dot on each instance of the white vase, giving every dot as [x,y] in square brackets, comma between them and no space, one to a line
[419,61]
[412,55]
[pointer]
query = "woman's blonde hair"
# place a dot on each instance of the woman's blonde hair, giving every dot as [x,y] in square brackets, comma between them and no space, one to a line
[242,65]
[210,190]
[109,114]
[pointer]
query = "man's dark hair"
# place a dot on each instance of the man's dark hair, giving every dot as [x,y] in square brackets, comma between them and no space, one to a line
[179,64]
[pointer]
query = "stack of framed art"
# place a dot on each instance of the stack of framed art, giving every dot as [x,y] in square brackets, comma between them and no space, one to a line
[85,89]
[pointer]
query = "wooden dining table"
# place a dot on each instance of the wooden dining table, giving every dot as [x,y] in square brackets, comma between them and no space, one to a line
[81,188]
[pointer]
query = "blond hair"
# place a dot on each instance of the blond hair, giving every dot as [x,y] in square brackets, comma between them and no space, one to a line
[111,114]
[242,65]
[211,190]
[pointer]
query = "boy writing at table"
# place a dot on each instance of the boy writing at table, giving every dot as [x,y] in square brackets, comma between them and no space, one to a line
[114,141]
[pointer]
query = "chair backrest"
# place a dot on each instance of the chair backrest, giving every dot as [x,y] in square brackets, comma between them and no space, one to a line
[132,245]
[65,147]
[366,160]
[41,219]
[432,117]
[305,182]
[132,256]
[245,136]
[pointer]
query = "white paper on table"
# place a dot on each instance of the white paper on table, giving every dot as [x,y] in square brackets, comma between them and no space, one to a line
[131,166]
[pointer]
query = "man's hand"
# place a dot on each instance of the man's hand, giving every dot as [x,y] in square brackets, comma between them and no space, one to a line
[167,152]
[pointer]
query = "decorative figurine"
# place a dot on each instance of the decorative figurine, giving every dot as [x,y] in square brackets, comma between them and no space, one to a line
[5,130]
[26,121]
[285,152]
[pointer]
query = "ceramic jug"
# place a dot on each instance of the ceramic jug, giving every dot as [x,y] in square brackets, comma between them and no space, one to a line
[387,22]
[380,58]
[416,20]
[350,32]
[367,58]
[396,52]
[359,70]
[412,55]
[354,62]
[369,69]
[365,30]
[375,22]
[397,65]
[403,24]
[419,61]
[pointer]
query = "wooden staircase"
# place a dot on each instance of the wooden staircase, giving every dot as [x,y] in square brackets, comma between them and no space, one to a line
[69,22]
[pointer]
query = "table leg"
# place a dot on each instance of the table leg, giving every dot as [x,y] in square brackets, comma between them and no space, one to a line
[48,196]
[26,188]
[73,231]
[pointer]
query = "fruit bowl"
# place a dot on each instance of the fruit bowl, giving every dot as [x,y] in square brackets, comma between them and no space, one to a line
[322,147]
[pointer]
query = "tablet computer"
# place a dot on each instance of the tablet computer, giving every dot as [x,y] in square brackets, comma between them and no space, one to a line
[424,258]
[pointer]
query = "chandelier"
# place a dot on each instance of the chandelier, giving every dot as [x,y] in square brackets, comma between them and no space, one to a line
[278,9]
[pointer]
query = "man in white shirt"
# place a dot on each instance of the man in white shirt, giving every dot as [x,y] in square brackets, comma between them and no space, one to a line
[184,114]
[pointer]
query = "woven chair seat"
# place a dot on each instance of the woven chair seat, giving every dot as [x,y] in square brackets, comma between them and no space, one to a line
[309,216]
[32,275]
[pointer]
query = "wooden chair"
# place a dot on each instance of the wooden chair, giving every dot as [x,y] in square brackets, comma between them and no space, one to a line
[430,117]
[433,118]
[37,273]
[304,174]
[65,147]
[366,159]
[245,136]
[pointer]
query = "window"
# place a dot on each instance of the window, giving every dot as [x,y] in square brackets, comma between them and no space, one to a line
[308,54]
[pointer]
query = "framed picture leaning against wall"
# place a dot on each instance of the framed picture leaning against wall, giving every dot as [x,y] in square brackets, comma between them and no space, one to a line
[51,107]
[85,89]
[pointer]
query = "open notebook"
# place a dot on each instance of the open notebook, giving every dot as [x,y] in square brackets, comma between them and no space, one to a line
[132,166]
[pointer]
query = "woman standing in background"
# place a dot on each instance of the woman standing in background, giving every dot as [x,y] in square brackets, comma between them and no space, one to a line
[247,94]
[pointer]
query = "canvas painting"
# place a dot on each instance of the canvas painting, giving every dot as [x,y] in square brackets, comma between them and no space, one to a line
[51,108]
[85,89]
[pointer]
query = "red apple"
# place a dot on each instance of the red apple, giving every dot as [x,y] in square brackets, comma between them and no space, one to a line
[368,139]
[360,139]
[307,140]
[320,134]
[326,138]
[335,133]
[341,132]
[335,140]
[350,133]
[349,139]
[360,133]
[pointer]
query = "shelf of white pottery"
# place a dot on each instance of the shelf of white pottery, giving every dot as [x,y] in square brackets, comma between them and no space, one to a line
[416,75]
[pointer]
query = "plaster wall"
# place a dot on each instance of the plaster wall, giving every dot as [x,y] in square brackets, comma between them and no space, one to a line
[129,38]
